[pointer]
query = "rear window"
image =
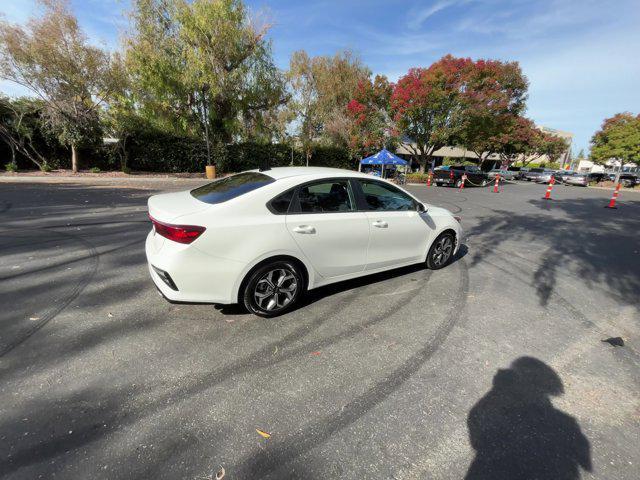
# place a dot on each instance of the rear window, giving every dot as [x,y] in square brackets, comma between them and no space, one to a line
[231,187]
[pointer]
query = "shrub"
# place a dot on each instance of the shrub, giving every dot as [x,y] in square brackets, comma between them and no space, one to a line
[11,167]
[160,152]
[45,168]
[95,170]
[417,178]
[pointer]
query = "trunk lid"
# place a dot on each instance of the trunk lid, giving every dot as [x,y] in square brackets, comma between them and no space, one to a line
[169,207]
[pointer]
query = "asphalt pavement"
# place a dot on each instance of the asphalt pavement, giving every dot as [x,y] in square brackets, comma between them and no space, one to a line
[494,367]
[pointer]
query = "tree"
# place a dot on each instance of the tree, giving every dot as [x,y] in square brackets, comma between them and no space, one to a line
[50,57]
[21,128]
[321,87]
[427,107]
[521,140]
[202,67]
[618,138]
[493,99]
[370,127]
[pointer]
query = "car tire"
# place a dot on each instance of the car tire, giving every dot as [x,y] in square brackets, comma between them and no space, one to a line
[441,251]
[273,288]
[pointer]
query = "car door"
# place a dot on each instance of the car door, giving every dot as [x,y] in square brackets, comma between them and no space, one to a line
[328,229]
[399,233]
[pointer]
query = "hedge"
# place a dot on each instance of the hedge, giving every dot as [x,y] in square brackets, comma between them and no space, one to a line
[417,178]
[152,151]
[166,153]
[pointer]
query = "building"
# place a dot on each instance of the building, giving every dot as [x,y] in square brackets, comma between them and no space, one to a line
[405,151]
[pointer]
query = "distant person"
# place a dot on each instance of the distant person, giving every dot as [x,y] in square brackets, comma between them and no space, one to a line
[517,433]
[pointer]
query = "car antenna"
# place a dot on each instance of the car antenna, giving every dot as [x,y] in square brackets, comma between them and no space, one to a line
[265,166]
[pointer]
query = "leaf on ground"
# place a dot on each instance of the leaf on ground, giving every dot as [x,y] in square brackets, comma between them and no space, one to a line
[316,353]
[110,315]
[263,434]
[34,318]
[220,474]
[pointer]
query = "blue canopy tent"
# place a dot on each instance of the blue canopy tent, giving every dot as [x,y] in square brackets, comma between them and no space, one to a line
[383,157]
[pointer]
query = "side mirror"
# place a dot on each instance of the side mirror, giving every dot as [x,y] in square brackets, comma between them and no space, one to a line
[420,207]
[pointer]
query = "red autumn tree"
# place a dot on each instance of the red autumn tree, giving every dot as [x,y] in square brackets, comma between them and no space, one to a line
[427,106]
[493,99]
[370,127]
[521,140]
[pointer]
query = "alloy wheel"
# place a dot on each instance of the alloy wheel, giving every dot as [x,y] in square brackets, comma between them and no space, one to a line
[275,289]
[442,250]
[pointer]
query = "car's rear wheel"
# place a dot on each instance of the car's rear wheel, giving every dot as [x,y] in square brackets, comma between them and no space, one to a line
[441,251]
[273,288]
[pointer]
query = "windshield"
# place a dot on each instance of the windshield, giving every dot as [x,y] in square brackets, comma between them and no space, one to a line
[231,187]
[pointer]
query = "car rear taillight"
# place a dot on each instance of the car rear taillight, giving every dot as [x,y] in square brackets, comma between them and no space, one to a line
[177,233]
[451,174]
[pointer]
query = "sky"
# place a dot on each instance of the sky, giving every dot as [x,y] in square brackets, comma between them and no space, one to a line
[581,57]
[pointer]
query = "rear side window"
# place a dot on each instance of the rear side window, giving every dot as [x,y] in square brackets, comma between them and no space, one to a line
[231,187]
[281,203]
[325,197]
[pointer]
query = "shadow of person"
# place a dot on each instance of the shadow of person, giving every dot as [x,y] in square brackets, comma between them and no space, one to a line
[517,433]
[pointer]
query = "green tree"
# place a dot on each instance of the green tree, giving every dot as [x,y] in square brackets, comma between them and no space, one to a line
[21,128]
[202,67]
[618,138]
[321,88]
[50,57]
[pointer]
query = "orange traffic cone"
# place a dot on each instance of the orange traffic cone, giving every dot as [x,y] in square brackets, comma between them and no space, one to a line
[464,179]
[429,179]
[614,197]
[495,186]
[547,196]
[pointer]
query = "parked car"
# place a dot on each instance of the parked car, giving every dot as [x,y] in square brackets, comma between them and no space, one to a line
[263,238]
[545,176]
[520,172]
[580,179]
[629,179]
[532,174]
[504,174]
[598,176]
[453,176]
[564,174]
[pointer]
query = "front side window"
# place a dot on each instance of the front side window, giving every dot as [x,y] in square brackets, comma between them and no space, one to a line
[380,196]
[325,197]
[231,187]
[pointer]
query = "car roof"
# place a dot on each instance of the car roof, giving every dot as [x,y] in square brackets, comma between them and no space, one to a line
[278,173]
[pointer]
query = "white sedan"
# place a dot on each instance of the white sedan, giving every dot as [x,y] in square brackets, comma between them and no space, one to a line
[262,238]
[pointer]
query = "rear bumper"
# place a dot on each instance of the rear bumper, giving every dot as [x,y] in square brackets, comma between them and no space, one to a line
[197,276]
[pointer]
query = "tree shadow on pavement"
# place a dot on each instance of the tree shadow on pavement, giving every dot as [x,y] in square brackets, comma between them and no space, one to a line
[518,433]
[574,236]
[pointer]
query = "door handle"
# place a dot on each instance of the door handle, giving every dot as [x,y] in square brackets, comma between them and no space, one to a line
[304,229]
[380,224]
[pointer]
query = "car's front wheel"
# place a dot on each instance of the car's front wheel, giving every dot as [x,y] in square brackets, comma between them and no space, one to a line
[273,288]
[441,251]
